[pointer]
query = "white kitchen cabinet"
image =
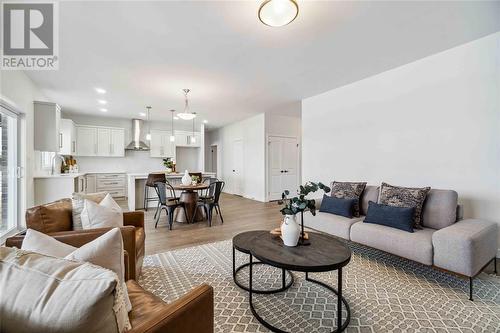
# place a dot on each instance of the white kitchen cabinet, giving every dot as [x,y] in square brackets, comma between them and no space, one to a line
[103,141]
[100,141]
[47,133]
[67,137]
[86,141]
[80,184]
[117,142]
[112,183]
[90,183]
[184,139]
[160,144]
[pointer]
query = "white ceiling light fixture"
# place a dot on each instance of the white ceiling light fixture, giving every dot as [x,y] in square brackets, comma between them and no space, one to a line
[102,102]
[176,118]
[142,114]
[100,91]
[277,13]
[186,115]
[148,136]
[172,135]
[205,121]
[103,110]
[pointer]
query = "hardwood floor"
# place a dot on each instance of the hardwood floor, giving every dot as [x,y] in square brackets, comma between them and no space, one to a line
[239,215]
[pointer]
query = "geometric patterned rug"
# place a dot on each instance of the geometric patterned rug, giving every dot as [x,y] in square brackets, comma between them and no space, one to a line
[386,293]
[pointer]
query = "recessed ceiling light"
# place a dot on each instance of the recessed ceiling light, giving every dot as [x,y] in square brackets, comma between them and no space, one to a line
[100,90]
[277,13]
[205,121]
[103,110]
[142,114]
[102,102]
[176,118]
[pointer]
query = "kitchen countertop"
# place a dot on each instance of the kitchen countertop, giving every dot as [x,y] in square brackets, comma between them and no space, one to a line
[60,175]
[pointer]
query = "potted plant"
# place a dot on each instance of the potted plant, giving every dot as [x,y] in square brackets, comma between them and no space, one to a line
[169,164]
[290,231]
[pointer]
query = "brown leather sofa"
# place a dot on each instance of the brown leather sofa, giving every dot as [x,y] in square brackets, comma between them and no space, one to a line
[193,312]
[55,219]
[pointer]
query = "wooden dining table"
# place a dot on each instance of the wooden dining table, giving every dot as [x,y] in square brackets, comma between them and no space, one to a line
[189,196]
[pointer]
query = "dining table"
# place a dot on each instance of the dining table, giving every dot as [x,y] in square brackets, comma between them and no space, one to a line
[189,196]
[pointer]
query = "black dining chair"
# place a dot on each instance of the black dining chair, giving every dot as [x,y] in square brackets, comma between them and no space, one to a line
[169,204]
[209,192]
[210,204]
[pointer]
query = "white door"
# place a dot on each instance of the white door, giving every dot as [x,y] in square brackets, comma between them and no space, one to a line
[283,162]
[117,142]
[237,170]
[86,141]
[213,159]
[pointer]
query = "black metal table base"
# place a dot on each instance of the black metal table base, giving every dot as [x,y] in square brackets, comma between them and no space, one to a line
[340,299]
[284,285]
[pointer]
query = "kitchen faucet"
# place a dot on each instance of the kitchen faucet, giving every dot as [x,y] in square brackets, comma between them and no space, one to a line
[54,161]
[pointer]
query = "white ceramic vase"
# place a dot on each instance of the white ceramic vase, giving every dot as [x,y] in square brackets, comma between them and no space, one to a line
[290,231]
[186,179]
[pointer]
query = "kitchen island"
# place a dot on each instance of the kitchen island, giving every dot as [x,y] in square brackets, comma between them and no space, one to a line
[137,181]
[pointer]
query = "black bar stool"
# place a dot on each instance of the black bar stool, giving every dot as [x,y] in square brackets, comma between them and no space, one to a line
[150,183]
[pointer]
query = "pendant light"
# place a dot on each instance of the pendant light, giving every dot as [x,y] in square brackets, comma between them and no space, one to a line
[148,135]
[172,135]
[277,13]
[186,115]
[193,138]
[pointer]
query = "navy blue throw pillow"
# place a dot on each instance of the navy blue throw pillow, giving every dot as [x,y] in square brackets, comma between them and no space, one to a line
[390,216]
[337,206]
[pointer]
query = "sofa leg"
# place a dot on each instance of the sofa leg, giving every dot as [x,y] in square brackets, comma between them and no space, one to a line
[470,289]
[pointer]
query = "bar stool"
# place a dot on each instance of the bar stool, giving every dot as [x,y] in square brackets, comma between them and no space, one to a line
[150,183]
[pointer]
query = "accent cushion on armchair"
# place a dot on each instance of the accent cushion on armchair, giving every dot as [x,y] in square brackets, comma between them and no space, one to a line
[56,220]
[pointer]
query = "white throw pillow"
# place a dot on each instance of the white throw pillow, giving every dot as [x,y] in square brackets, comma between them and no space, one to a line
[106,214]
[105,251]
[78,202]
[45,294]
[38,242]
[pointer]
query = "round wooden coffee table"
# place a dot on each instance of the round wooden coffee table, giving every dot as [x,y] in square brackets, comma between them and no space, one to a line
[325,253]
[243,242]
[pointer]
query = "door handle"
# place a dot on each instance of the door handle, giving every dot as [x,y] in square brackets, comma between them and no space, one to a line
[282,171]
[234,170]
[285,171]
[60,140]
[74,146]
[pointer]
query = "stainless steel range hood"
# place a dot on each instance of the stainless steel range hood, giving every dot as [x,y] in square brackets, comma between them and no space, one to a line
[138,136]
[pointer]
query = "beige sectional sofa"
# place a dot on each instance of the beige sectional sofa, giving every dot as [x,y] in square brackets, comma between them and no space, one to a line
[462,246]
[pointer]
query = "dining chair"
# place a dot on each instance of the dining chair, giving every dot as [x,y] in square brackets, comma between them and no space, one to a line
[210,204]
[150,183]
[169,204]
[208,193]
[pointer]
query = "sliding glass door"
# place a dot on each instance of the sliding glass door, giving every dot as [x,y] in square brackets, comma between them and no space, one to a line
[8,171]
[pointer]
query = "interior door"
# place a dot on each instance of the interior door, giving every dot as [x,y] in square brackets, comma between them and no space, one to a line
[275,148]
[237,171]
[283,164]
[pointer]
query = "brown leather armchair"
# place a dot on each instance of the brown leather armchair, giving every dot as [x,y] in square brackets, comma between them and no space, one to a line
[56,220]
[149,313]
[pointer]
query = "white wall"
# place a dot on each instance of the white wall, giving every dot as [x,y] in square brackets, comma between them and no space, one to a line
[19,90]
[432,122]
[252,132]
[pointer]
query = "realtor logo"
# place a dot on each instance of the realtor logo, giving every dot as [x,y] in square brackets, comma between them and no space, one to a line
[30,36]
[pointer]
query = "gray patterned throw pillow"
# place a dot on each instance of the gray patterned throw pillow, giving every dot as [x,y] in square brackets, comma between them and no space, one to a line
[405,197]
[349,190]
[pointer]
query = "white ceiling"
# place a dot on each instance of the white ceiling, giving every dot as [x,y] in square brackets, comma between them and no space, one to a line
[144,53]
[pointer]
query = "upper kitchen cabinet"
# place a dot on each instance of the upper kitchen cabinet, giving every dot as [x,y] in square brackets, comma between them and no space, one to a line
[86,141]
[160,144]
[185,139]
[68,137]
[100,141]
[48,136]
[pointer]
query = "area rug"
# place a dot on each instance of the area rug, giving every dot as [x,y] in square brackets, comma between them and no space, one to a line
[386,293]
